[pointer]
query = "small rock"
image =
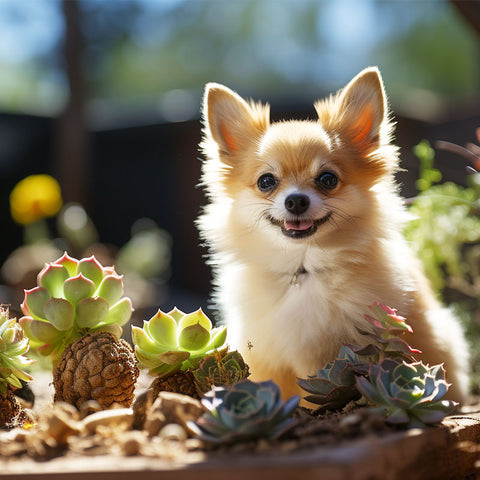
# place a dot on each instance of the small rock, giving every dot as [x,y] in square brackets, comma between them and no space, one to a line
[141,405]
[174,408]
[89,407]
[59,424]
[154,423]
[132,443]
[120,417]
[173,431]
[263,446]
[289,446]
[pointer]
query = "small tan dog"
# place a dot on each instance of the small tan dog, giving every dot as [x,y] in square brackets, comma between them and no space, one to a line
[305,228]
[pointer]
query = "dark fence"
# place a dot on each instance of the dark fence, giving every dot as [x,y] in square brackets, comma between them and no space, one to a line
[152,171]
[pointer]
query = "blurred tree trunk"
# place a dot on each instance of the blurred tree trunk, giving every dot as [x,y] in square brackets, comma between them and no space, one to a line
[72,164]
[470,11]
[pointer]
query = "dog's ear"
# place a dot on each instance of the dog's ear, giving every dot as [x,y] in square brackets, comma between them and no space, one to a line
[363,108]
[231,121]
[358,112]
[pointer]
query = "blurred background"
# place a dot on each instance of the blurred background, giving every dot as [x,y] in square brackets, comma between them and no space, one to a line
[103,96]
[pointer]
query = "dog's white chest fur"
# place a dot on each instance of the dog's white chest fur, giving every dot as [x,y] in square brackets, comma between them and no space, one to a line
[299,320]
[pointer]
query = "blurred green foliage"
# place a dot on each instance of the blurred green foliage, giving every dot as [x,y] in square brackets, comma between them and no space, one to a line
[445,234]
[445,227]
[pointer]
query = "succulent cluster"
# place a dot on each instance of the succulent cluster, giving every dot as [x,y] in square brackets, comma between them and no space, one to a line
[185,354]
[383,336]
[175,341]
[220,369]
[73,298]
[335,385]
[409,393]
[75,315]
[244,411]
[385,372]
[13,346]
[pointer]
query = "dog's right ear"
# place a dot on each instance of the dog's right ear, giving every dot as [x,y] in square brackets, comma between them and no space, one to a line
[232,122]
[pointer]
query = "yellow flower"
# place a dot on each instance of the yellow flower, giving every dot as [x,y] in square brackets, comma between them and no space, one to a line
[34,198]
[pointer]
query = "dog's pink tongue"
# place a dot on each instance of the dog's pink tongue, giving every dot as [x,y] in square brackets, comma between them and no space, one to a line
[298,224]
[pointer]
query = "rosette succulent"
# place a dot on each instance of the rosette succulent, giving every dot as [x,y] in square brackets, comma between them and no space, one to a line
[13,347]
[173,344]
[75,315]
[333,386]
[409,394]
[174,341]
[245,411]
[220,370]
[73,298]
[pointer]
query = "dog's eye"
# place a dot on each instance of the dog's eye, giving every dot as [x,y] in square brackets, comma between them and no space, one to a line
[327,181]
[267,182]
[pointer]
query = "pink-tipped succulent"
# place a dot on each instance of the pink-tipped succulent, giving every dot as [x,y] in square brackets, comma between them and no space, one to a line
[384,336]
[73,298]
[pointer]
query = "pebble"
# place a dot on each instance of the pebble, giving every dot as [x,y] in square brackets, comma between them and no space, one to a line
[173,431]
[120,417]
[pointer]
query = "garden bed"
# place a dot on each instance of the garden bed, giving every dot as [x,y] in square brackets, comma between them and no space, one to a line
[353,445]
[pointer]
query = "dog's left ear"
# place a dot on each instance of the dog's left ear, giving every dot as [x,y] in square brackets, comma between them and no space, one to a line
[361,111]
[363,106]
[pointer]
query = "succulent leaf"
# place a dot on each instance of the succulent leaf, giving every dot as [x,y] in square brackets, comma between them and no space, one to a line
[195,318]
[173,358]
[111,289]
[91,311]
[35,300]
[52,278]
[163,329]
[120,313]
[69,263]
[115,330]
[193,337]
[176,314]
[91,269]
[60,313]
[77,288]
[144,341]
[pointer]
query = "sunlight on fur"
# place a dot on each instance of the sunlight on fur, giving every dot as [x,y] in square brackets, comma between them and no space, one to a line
[304,223]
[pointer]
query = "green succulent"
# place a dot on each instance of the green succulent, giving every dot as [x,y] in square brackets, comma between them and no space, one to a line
[245,411]
[13,347]
[333,386]
[409,394]
[73,298]
[175,341]
[220,370]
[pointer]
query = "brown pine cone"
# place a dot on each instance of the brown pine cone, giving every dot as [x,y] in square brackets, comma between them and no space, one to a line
[180,382]
[97,367]
[10,410]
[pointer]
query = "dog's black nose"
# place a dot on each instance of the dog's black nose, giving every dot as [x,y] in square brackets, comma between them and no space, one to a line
[297,203]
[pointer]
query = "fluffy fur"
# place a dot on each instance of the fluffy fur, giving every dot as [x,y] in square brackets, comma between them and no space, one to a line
[293,283]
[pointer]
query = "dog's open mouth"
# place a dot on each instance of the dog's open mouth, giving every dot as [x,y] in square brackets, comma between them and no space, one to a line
[300,228]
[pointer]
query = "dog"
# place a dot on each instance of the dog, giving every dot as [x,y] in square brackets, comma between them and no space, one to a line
[304,225]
